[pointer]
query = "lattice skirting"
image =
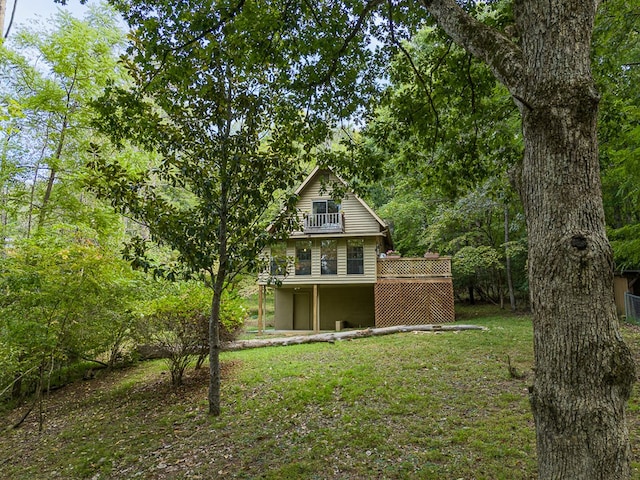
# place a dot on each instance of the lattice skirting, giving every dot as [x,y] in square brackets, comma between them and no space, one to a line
[414,302]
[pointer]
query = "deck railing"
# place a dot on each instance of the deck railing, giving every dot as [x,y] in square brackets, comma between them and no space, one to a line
[414,267]
[324,223]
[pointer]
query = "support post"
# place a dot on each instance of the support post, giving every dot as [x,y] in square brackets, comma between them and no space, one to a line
[260,311]
[316,320]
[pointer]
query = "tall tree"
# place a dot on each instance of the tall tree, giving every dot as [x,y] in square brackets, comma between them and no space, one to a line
[584,370]
[203,97]
[51,74]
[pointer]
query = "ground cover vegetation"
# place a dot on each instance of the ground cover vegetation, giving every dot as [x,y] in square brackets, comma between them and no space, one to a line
[69,301]
[456,152]
[406,406]
[554,166]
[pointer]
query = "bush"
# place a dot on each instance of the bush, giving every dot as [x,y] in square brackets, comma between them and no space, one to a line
[232,316]
[177,324]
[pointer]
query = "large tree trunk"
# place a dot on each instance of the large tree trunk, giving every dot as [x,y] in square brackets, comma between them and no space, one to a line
[584,370]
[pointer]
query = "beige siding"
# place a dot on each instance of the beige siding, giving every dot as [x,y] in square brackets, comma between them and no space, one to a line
[620,286]
[370,265]
[357,219]
[371,257]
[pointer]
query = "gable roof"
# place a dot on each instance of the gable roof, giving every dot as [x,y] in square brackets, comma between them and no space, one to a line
[317,171]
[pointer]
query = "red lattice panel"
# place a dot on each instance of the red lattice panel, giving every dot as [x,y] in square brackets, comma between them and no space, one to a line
[414,302]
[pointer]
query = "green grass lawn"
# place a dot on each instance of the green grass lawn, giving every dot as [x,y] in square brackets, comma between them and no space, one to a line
[406,406]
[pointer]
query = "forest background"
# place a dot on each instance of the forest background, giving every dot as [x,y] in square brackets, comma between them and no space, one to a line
[432,153]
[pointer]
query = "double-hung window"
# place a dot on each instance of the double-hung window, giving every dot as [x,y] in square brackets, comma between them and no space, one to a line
[278,259]
[355,256]
[303,257]
[329,257]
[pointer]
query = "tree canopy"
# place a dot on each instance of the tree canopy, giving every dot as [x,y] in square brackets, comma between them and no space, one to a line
[213,103]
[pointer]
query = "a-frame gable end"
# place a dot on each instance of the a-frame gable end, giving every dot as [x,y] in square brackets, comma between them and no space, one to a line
[359,218]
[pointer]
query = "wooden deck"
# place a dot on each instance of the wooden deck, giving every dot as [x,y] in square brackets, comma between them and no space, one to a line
[414,267]
[414,291]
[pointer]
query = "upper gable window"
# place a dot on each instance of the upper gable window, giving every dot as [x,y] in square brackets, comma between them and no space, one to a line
[325,217]
[325,206]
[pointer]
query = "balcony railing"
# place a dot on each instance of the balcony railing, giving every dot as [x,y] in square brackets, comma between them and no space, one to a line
[324,223]
[414,267]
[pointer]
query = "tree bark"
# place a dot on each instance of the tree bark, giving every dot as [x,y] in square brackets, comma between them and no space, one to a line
[3,6]
[512,297]
[337,336]
[53,169]
[584,370]
[3,11]
[214,348]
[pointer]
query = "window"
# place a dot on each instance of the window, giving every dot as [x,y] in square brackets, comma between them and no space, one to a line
[329,257]
[355,256]
[303,257]
[325,206]
[325,217]
[278,264]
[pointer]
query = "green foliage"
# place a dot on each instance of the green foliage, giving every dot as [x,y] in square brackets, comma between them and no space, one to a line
[50,74]
[223,161]
[233,314]
[408,215]
[449,135]
[477,267]
[444,120]
[617,72]
[176,323]
[65,297]
[178,326]
[625,242]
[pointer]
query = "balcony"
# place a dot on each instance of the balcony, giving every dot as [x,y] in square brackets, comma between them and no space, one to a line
[324,223]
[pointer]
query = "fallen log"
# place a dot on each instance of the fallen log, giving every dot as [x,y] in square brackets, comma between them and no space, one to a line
[332,337]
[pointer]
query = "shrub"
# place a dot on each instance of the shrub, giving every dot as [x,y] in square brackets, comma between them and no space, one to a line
[177,324]
[232,316]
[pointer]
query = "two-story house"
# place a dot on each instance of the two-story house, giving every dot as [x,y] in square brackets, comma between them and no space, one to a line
[333,272]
